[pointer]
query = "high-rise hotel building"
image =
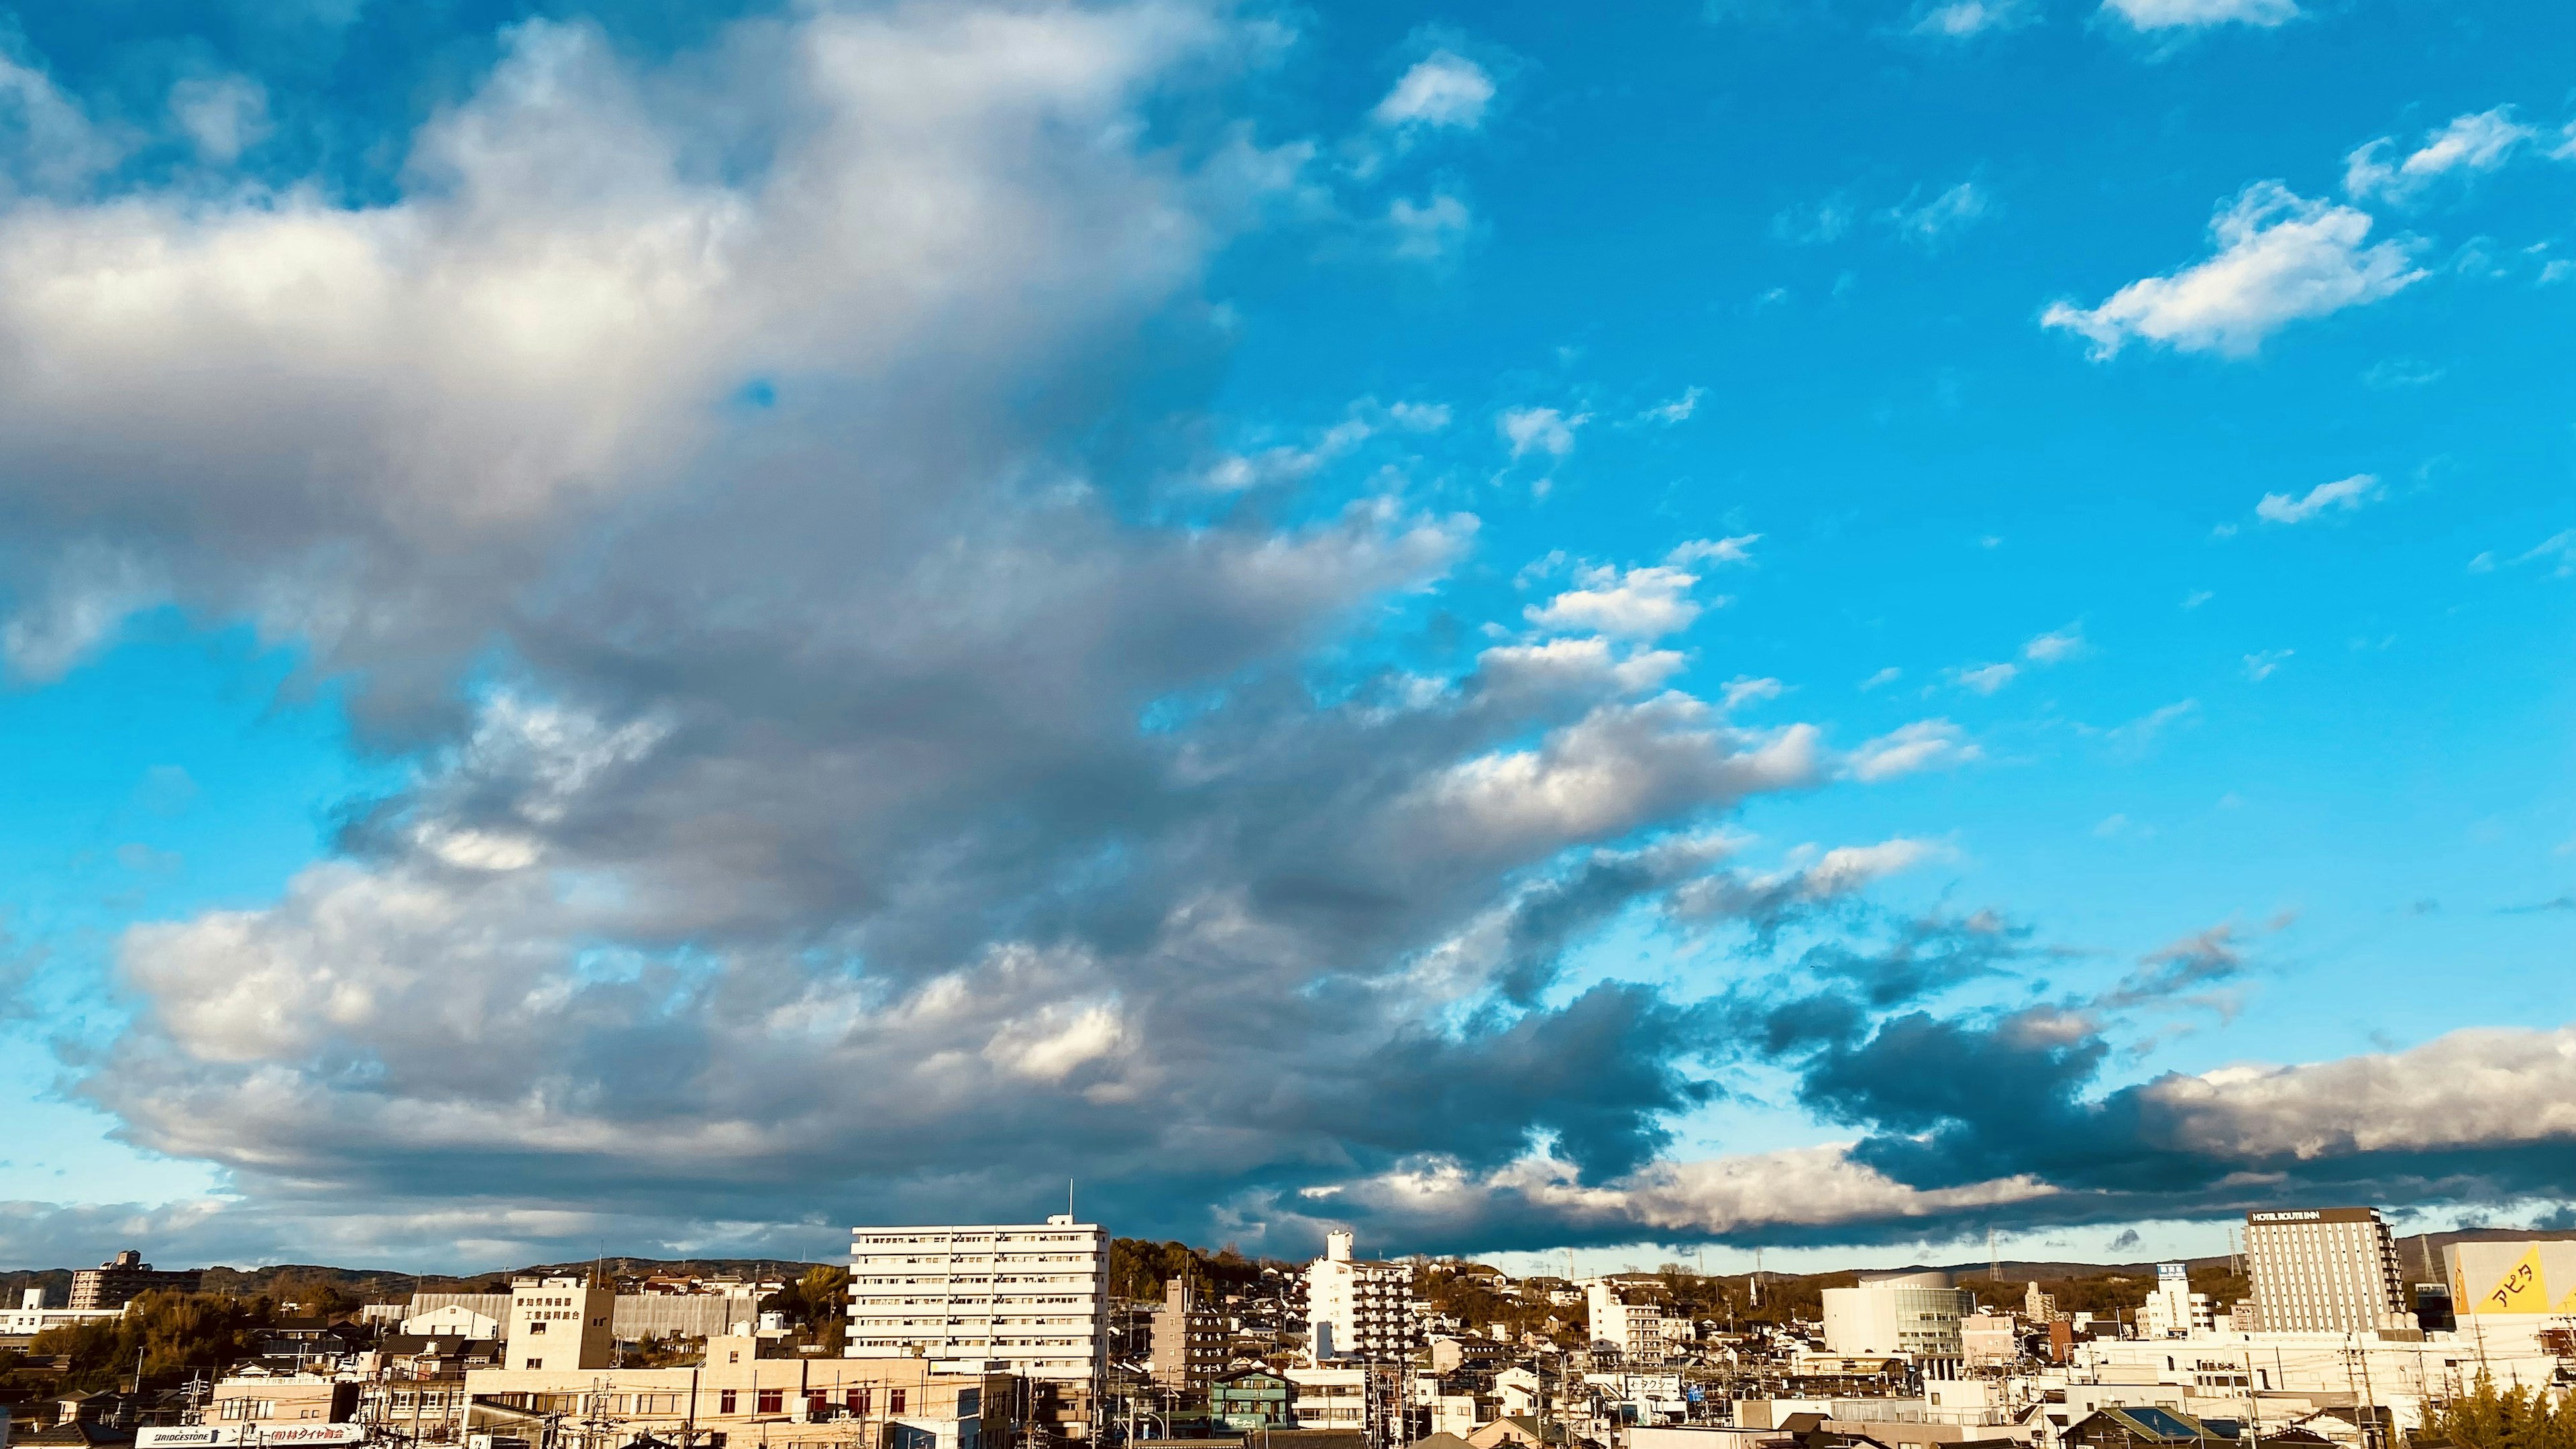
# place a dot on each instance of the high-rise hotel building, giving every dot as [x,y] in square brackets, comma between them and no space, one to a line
[2324,1270]
[1029,1299]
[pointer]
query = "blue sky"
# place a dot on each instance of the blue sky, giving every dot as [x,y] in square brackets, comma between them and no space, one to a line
[1815,626]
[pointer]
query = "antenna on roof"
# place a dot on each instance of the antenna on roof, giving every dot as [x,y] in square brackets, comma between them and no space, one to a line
[1068,1198]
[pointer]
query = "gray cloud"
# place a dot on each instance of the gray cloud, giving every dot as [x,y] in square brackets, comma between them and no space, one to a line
[845,777]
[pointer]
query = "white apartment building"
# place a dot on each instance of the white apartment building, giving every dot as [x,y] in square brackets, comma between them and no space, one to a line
[1031,1299]
[2173,1310]
[1637,1330]
[2325,1270]
[561,1323]
[1914,1314]
[1358,1309]
[32,1317]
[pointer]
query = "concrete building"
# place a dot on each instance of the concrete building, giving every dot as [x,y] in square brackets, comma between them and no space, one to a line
[121,1279]
[1913,1314]
[744,1399]
[1358,1309]
[1989,1339]
[1636,1330]
[32,1317]
[2511,1279]
[2325,1270]
[455,1320]
[1189,1339]
[2173,1310]
[1031,1298]
[558,1324]
[1331,1398]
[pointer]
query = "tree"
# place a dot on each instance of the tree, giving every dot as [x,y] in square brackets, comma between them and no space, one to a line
[2523,1418]
[176,1333]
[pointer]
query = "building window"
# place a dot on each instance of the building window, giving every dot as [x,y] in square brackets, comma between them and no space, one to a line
[773,1401]
[856,1400]
[725,1401]
[894,1401]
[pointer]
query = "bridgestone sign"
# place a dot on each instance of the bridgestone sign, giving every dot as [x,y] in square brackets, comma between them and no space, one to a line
[251,1436]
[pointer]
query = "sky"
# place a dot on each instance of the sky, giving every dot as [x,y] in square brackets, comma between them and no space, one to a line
[1815,627]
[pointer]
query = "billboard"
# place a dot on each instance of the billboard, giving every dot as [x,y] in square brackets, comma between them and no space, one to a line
[2519,1279]
[250,1436]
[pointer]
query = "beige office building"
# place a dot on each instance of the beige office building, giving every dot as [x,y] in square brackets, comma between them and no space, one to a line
[560,1323]
[2325,1270]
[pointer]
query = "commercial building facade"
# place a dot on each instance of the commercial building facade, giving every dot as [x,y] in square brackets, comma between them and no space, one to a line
[2325,1270]
[1913,1314]
[740,1399]
[2512,1279]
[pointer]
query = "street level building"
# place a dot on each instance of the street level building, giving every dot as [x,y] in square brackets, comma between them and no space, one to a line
[1029,1298]
[2325,1270]
[740,1399]
[1356,1308]
[123,1278]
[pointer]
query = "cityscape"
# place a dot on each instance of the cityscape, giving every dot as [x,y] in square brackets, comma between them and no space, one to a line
[1287,724]
[2323,1329]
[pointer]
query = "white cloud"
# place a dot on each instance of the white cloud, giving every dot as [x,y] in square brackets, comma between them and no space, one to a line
[2344,494]
[2281,258]
[2176,14]
[1540,430]
[1745,689]
[1442,89]
[1428,228]
[1886,676]
[1960,19]
[1641,603]
[2197,597]
[1813,225]
[2481,141]
[1944,216]
[1677,410]
[1932,744]
[2056,645]
[2262,664]
[1737,549]
[1419,417]
[1985,678]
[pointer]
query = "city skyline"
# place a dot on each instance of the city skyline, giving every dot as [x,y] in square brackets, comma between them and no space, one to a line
[1813,626]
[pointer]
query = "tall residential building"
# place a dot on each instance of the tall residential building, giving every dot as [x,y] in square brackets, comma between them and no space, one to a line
[120,1279]
[1635,1329]
[1031,1299]
[1915,1314]
[1358,1309]
[2325,1270]
[560,1323]
[2173,1310]
[1189,1339]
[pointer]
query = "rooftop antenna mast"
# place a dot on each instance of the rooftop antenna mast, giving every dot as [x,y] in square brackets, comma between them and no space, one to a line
[1994,1264]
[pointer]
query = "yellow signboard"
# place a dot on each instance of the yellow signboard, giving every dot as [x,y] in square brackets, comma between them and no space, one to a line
[2519,1290]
